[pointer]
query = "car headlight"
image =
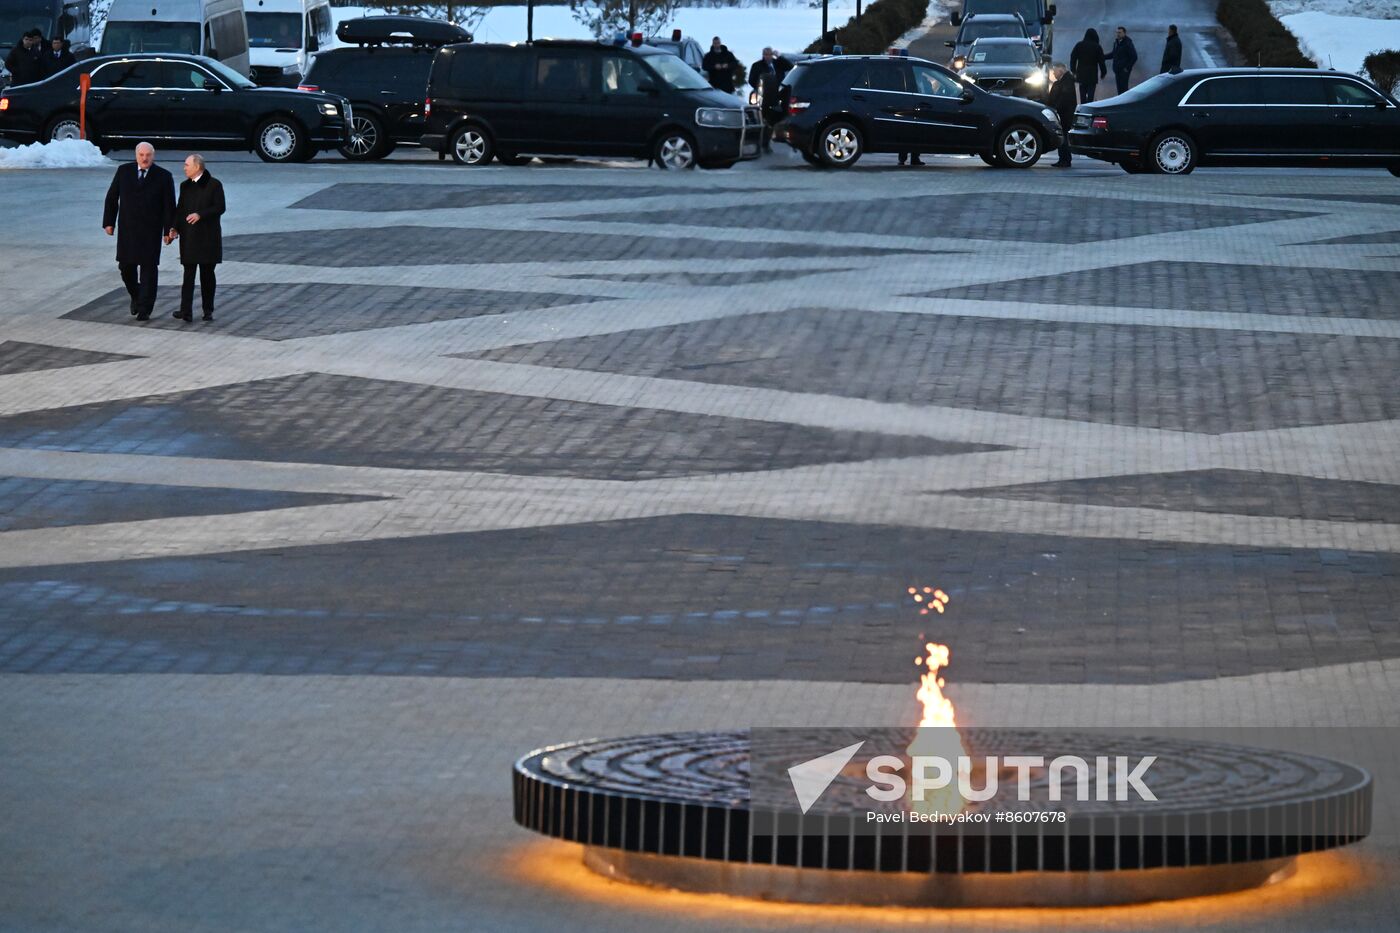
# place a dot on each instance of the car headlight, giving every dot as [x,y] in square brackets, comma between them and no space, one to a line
[959,63]
[755,98]
[291,69]
[715,116]
[1036,79]
[1050,115]
[330,110]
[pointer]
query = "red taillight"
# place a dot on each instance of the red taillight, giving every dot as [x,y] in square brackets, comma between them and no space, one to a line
[1099,123]
[308,87]
[428,107]
[4,103]
[797,106]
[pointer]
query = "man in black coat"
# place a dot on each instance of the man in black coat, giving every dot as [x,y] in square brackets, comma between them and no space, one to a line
[58,57]
[1171,54]
[765,75]
[140,208]
[1063,99]
[26,60]
[1124,57]
[1088,64]
[719,65]
[197,216]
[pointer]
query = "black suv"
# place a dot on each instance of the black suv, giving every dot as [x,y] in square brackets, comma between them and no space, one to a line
[985,26]
[1037,15]
[385,77]
[582,98]
[1006,66]
[1248,116]
[840,108]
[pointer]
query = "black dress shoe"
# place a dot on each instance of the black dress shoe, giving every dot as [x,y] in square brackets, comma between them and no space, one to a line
[182,317]
[144,316]
[135,307]
[209,315]
[916,161]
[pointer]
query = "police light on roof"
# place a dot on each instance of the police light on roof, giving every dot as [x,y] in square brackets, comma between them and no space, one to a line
[675,35]
[636,38]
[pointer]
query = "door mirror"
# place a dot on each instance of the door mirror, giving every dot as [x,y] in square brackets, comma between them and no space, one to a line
[1381,104]
[967,96]
[211,85]
[313,44]
[951,45]
[645,86]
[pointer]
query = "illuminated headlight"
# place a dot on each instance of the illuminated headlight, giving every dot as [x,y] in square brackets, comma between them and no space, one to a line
[1036,80]
[754,98]
[330,110]
[714,116]
[959,63]
[291,69]
[1050,115]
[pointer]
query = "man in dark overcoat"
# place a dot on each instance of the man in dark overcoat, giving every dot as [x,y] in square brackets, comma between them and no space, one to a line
[1171,52]
[58,57]
[1063,99]
[197,216]
[140,210]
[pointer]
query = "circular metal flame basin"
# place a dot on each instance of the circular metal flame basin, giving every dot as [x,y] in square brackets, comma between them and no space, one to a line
[676,811]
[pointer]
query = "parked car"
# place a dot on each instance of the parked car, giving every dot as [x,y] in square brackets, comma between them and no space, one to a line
[384,76]
[184,100]
[282,37]
[1242,116]
[985,26]
[1039,17]
[682,46]
[558,97]
[215,29]
[840,108]
[1006,66]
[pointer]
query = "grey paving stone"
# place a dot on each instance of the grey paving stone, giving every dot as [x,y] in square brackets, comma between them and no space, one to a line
[318,418]
[1234,492]
[1199,380]
[47,503]
[1205,286]
[982,216]
[389,196]
[289,311]
[704,279]
[661,598]
[417,246]
[1384,238]
[18,356]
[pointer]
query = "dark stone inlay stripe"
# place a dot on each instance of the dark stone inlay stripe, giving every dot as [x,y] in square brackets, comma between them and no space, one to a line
[18,356]
[353,196]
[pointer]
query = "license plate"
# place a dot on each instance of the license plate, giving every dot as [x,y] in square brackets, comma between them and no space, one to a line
[750,149]
[1002,91]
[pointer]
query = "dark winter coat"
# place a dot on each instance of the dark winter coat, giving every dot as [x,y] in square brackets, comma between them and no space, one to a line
[53,64]
[201,242]
[1124,55]
[1064,100]
[25,65]
[1087,60]
[1171,55]
[142,211]
[720,67]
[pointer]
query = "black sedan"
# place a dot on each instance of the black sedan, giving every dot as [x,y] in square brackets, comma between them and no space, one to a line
[1273,116]
[185,100]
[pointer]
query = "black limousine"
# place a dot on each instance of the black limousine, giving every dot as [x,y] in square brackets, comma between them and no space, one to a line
[1242,116]
[168,98]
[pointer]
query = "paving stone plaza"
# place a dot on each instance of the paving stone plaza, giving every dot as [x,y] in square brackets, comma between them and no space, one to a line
[474,461]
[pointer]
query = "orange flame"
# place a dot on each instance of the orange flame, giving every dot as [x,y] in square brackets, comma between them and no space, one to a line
[937,736]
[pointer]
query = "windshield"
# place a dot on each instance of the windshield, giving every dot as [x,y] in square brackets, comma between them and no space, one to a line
[1003,55]
[274,30]
[975,31]
[1029,9]
[1144,90]
[677,73]
[121,38]
[15,23]
[233,78]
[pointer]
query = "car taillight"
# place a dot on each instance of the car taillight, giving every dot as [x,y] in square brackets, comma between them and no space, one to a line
[428,107]
[308,87]
[797,106]
[1100,123]
[4,103]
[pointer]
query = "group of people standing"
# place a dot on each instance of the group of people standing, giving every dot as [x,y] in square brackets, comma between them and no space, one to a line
[34,60]
[143,212]
[723,71]
[1088,62]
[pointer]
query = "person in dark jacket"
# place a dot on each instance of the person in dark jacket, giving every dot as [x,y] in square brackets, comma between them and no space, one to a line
[140,208]
[197,216]
[1088,64]
[26,60]
[58,57]
[1124,57]
[719,65]
[765,75]
[1171,54]
[1063,99]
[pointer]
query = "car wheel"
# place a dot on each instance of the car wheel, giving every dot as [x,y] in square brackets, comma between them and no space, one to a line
[366,139]
[510,158]
[1132,167]
[1172,153]
[279,140]
[674,150]
[990,159]
[810,158]
[470,145]
[840,145]
[1018,146]
[64,126]
[1395,170]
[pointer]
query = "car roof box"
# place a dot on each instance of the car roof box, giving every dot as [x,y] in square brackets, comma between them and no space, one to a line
[400,30]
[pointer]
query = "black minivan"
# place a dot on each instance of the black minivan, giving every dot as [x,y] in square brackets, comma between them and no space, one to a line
[558,97]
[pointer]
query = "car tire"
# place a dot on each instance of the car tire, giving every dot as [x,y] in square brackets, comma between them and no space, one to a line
[280,139]
[674,151]
[1133,167]
[1395,170]
[811,158]
[1172,153]
[1018,146]
[367,139]
[471,145]
[63,126]
[510,158]
[840,145]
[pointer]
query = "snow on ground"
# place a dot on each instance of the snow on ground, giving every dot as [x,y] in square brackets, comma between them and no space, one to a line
[68,153]
[1342,42]
[1366,9]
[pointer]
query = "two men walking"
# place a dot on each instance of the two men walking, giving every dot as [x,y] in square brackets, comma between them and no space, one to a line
[141,211]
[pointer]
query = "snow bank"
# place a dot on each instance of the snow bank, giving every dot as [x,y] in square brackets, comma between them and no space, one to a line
[68,153]
[1342,42]
[1366,9]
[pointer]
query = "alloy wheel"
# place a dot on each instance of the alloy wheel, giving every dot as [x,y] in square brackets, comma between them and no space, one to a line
[675,152]
[841,144]
[65,129]
[1173,155]
[469,147]
[278,140]
[364,137]
[1020,146]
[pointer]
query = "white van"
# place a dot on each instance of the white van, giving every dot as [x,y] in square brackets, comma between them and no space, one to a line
[214,28]
[283,35]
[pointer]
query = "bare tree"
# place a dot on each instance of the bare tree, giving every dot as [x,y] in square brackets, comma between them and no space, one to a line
[604,17]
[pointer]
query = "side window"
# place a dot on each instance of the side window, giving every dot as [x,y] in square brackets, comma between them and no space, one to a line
[931,81]
[230,37]
[1292,91]
[1230,91]
[319,26]
[886,76]
[185,77]
[561,75]
[622,75]
[1351,94]
[127,75]
[487,74]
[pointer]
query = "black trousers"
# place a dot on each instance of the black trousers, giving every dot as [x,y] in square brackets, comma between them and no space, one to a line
[206,288]
[1122,77]
[1086,92]
[1065,155]
[141,281]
